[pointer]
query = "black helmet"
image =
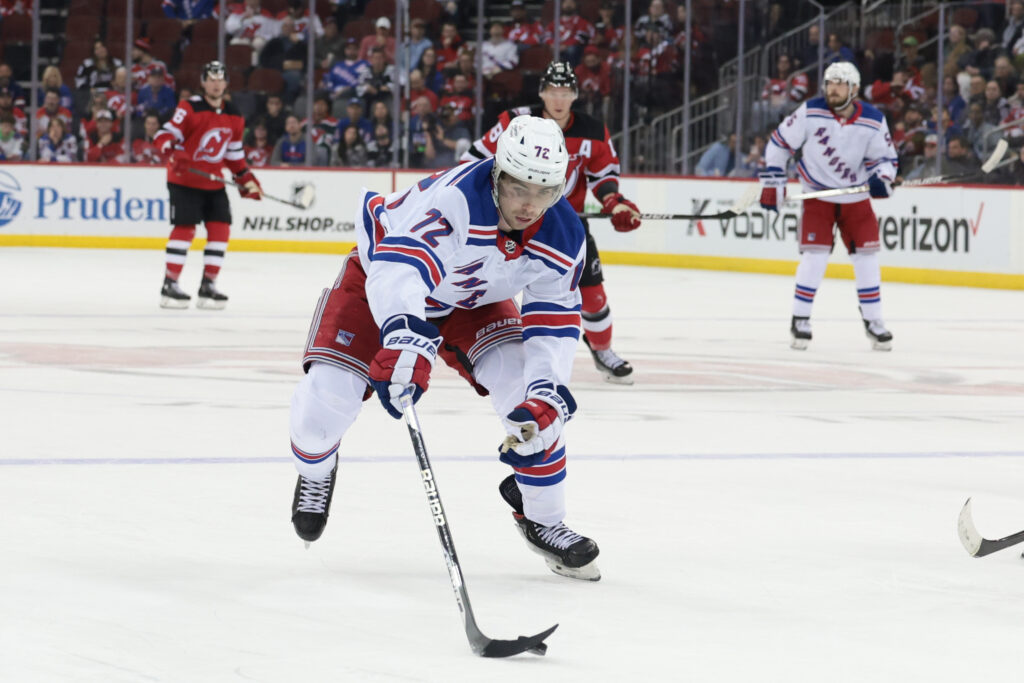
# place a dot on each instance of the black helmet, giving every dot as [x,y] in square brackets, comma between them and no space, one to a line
[559,74]
[215,69]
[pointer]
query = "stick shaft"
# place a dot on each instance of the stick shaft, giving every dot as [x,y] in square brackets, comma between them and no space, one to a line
[228,181]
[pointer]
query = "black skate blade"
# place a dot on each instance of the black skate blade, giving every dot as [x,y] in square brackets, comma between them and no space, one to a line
[508,648]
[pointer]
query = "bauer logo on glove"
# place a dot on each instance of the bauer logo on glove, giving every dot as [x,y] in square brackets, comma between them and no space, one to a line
[535,425]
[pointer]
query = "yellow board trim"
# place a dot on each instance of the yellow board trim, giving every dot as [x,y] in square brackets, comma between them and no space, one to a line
[744,265]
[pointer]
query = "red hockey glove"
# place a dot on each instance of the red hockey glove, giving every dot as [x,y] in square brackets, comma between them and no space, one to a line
[248,186]
[535,425]
[180,161]
[625,215]
[773,188]
[406,357]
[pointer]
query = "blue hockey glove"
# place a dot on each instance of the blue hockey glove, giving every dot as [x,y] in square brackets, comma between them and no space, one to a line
[535,425]
[879,187]
[773,187]
[406,357]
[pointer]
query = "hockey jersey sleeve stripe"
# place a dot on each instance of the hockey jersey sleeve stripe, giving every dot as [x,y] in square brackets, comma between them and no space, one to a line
[396,257]
[476,151]
[875,162]
[432,275]
[547,306]
[412,243]
[781,142]
[603,173]
[234,155]
[175,131]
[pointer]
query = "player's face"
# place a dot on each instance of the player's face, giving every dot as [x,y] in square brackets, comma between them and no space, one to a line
[215,87]
[558,100]
[836,93]
[523,203]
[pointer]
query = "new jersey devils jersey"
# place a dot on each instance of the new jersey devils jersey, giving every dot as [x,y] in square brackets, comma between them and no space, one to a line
[212,138]
[591,154]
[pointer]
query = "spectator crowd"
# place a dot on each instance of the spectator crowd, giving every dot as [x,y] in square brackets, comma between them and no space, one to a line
[359,83]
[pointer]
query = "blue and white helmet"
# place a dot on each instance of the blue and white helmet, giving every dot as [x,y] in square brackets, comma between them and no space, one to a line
[532,149]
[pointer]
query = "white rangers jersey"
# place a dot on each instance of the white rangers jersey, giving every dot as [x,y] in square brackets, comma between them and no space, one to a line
[436,246]
[834,153]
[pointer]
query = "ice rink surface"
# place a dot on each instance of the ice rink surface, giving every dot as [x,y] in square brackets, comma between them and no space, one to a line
[763,514]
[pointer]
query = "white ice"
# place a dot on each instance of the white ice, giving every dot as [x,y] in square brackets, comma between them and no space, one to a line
[763,514]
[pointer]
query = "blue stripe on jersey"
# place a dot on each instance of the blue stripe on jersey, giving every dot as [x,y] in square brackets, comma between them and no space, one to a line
[568,332]
[413,243]
[561,231]
[538,306]
[409,261]
[480,242]
[547,262]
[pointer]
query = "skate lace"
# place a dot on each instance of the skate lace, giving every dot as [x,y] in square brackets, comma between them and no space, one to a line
[313,495]
[560,536]
[802,325]
[609,358]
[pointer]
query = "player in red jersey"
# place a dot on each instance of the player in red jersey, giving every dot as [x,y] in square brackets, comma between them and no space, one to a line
[593,164]
[205,134]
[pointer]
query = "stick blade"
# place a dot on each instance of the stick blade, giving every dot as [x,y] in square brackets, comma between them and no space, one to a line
[509,648]
[303,195]
[745,200]
[996,157]
[969,536]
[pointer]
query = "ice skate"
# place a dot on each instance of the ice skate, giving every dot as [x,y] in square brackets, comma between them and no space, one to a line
[615,369]
[209,297]
[800,332]
[172,296]
[881,338]
[311,505]
[566,552]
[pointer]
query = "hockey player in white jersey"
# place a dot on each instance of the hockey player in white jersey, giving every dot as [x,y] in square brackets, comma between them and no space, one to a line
[434,274]
[844,142]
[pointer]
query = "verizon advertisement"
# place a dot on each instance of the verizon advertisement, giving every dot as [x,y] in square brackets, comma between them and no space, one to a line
[941,228]
[975,229]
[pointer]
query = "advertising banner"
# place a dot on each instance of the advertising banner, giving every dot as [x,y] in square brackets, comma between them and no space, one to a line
[927,233]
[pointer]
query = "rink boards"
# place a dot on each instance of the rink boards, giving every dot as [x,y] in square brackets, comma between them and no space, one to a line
[955,235]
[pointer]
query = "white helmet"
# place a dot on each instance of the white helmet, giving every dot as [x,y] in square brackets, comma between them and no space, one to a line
[532,149]
[844,72]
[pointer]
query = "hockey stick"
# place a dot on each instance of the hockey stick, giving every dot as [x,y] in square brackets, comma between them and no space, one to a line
[481,644]
[987,167]
[738,207]
[973,542]
[303,194]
